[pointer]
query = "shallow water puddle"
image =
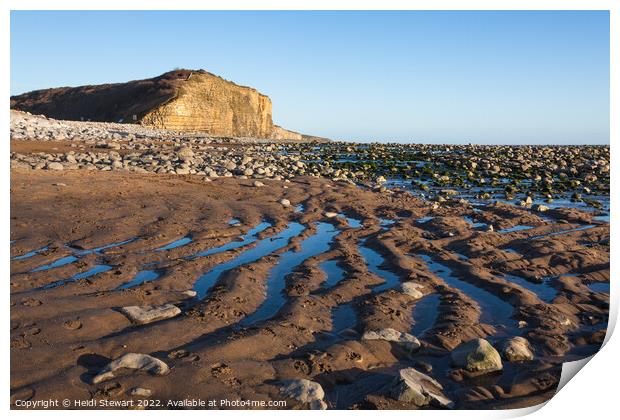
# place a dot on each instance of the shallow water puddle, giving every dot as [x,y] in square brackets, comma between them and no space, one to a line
[353,223]
[83,252]
[142,277]
[602,218]
[300,208]
[95,270]
[386,223]
[494,311]
[425,314]
[29,254]
[374,261]
[246,239]
[234,222]
[516,228]
[263,247]
[176,244]
[316,244]
[562,232]
[344,316]
[545,292]
[470,221]
[599,287]
[58,263]
[77,253]
[462,257]
[335,273]
[425,219]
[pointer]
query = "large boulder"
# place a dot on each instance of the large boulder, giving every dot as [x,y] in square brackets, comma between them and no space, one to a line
[389,334]
[412,386]
[305,391]
[477,355]
[516,349]
[135,361]
[147,314]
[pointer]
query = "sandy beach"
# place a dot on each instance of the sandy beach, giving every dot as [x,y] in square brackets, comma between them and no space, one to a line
[343,285]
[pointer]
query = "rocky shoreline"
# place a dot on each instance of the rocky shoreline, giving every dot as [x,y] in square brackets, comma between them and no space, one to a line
[519,174]
[132,276]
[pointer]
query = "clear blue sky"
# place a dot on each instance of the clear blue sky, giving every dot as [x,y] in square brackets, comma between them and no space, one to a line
[481,77]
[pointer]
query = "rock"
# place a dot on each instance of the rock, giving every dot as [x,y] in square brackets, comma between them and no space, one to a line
[412,386]
[185,152]
[516,349]
[330,214]
[135,361]
[412,289]
[182,171]
[305,391]
[318,405]
[147,314]
[55,166]
[540,207]
[141,392]
[490,228]
[477,355]
[389,334]
[258,184]
[285,202]
[190,293]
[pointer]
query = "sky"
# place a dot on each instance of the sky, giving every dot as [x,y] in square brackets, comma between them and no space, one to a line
[513,77]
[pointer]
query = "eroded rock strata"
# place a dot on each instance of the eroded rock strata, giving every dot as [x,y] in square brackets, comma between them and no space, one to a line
[180,100]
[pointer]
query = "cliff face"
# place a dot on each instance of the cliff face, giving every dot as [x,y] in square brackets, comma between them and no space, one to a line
[204,102]
[180,100]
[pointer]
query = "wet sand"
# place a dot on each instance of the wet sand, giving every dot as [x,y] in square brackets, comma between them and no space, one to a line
[274,313]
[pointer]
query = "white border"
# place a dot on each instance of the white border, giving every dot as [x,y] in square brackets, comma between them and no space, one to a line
[592,395]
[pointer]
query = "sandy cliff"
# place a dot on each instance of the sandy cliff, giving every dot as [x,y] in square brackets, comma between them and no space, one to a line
[181,100]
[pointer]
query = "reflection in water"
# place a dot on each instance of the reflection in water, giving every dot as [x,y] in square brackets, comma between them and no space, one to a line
[425,314]
[494,311]
[335,273]
[316,244]
[263,247]
[176,244]
[95,270]
[142,277]
[374,260]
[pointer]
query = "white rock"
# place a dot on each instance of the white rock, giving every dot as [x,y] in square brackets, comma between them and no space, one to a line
[330,214]
[135,361]
[304,391]
[516,349]
[389,334]
[185,152]
[148,314]
[415,387]
[141,392]
[285,202]
[259,184]
[55,166]
[412,289]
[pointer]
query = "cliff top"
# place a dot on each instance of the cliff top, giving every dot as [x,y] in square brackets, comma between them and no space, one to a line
[110,101]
